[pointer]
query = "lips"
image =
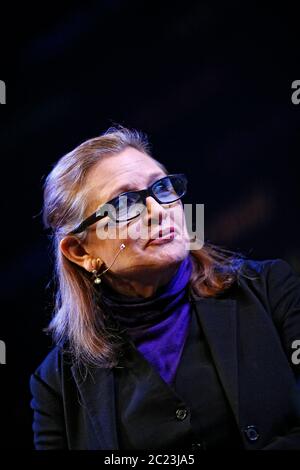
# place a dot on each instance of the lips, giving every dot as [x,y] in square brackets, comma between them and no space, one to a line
[166,233]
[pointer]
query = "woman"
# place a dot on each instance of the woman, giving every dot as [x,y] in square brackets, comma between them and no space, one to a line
[158,346]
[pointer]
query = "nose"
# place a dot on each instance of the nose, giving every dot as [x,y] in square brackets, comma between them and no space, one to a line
[155,212]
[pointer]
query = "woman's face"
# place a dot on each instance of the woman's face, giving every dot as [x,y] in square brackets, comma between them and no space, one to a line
[134,170]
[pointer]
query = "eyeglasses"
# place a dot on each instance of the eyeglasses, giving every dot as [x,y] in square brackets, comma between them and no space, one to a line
[127,205]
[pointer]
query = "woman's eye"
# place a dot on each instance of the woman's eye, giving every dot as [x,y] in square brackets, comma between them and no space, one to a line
[164,187]
[122,202]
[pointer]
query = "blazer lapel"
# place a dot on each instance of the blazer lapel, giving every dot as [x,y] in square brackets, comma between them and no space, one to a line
[97,394]
[218,319]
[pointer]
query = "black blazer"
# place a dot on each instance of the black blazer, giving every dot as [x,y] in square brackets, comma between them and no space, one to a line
[250,330]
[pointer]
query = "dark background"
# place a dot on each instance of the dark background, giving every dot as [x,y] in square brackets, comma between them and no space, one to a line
[209,82]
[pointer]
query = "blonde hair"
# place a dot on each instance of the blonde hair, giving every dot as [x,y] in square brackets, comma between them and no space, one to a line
[78,320]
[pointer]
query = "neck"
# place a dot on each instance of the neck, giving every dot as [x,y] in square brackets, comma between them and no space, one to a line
[146,286]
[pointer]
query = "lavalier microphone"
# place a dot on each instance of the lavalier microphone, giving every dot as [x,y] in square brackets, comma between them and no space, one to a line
[97,277]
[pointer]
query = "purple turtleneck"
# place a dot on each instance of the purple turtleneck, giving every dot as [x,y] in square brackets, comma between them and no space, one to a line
[159,324]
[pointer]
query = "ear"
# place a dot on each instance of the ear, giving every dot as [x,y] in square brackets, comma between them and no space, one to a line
[75,252]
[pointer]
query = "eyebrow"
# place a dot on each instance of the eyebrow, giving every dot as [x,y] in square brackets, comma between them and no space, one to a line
[130,187]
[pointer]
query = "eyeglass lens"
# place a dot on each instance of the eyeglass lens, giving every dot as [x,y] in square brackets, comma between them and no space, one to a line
[166,190]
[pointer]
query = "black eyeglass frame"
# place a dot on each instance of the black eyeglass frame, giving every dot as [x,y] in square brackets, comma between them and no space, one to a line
[144,193]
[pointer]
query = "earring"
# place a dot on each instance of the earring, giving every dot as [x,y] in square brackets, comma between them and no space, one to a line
[96,276]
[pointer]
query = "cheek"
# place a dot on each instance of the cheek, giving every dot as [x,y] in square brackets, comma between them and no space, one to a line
[105,249]
[135,234]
